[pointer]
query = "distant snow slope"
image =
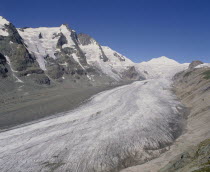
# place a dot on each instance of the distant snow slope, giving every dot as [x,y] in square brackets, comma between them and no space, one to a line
[115,59]
[161,67]
[203,65]
[115,129]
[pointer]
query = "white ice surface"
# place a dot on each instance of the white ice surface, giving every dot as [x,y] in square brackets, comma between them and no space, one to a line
[99,135]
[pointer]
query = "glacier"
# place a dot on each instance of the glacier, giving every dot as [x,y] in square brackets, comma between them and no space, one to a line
[115,129]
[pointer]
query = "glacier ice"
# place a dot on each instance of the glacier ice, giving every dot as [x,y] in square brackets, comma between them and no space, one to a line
[113,130]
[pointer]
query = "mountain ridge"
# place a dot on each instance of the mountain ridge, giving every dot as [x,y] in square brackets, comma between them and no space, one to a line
[63,54]
[55,55]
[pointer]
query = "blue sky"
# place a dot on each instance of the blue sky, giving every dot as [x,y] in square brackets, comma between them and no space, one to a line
[139,29]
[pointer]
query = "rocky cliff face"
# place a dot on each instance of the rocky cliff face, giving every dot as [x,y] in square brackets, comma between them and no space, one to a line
[19,62]
[55,55]
[3,68]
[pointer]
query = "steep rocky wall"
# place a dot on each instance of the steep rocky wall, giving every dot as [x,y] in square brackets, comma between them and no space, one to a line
[19,61]
[3,68]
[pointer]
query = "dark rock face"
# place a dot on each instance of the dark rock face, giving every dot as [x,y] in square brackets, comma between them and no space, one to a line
[13,34]
[80,54]
[84,39]
[76,49]
[119,57]
[64,64]
[3,69]
[61,41]
[13,47]
[21,60]
[194,64]
[40,36]
[132,74]
[103,57]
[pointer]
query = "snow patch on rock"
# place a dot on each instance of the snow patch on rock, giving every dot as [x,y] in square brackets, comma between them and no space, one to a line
[47,44]
[3,30]
[13,71]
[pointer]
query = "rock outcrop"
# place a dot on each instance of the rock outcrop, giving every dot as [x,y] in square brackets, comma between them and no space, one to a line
[194,64]
[3,68]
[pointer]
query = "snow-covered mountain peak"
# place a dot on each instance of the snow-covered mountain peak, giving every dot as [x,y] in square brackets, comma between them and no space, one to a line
[163,60]
[3,30]
[65,27]
[3,21]
[163,67]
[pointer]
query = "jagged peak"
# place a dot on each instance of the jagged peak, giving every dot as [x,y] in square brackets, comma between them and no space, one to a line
[66,26]
[63,26]
[3,21]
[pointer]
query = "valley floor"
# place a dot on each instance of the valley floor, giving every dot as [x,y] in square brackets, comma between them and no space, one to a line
[117,128]
[24,105]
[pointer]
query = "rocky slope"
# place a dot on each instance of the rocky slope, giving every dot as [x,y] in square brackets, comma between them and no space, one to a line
[19,62]
[190,152]
[193,87]
[194,159]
